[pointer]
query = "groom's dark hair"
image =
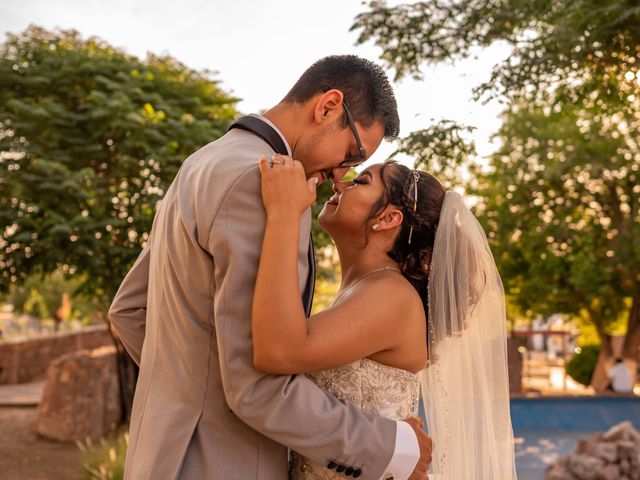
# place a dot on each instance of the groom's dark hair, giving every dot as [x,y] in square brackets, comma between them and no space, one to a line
[365,87]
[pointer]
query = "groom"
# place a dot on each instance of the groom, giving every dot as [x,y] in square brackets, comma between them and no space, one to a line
[183,312]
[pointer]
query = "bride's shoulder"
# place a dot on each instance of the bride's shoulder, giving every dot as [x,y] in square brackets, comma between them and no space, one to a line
[395,291]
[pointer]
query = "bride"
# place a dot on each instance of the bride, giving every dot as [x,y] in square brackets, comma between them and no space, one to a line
[420,306]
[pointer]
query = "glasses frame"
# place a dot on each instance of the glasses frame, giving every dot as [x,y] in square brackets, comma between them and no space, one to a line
[353,162]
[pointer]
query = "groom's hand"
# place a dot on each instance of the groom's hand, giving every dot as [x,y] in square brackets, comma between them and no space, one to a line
[426,449]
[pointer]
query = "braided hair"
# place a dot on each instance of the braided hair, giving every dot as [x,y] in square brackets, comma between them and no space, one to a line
[413,258]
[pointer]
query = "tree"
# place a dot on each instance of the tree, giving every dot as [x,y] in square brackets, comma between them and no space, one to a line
[52,297]
[91,138]
[442,149]
[561,198]
[561,203]
[576,48]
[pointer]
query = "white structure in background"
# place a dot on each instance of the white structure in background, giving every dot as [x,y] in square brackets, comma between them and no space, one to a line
[555,343]
[537,339]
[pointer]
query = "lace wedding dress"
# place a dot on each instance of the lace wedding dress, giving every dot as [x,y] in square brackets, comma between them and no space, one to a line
[375,388]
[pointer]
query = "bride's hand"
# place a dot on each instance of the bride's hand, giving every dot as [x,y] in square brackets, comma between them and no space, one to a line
[285,188]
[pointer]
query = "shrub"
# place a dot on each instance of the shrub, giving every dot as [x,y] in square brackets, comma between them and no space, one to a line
[582,365]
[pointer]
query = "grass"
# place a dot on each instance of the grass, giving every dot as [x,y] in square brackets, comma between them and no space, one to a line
[105,460]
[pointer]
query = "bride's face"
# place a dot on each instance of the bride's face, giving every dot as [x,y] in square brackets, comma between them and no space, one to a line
[348,210]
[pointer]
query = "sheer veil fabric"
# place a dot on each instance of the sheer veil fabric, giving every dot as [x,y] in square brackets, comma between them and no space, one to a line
[465,387]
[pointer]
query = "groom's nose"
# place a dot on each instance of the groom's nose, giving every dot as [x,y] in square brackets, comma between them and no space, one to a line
[338,173]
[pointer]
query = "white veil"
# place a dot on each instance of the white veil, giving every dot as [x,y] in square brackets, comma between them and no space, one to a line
[465,387]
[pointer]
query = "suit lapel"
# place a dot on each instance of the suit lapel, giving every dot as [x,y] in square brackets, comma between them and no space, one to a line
[273,138]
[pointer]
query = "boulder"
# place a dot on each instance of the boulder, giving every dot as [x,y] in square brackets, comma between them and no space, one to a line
[611,455]
[622,431]
[81,397]
[585,467]
[606,451]
[558,471]
[610,472]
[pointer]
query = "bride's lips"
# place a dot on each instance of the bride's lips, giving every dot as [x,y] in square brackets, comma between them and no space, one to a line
[333,200]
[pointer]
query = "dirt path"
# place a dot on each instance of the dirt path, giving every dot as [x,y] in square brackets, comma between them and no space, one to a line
[26,456]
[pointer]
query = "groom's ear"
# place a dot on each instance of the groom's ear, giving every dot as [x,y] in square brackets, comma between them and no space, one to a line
[328,105]
[390,218]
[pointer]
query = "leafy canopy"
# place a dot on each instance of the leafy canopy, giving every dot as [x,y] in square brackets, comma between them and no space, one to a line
[90,139]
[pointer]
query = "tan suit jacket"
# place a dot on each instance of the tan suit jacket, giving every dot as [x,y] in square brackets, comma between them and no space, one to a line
[201,410]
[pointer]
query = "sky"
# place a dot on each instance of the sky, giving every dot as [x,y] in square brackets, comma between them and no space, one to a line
[259,49]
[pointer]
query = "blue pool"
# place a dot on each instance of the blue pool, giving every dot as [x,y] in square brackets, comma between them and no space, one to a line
[549,427]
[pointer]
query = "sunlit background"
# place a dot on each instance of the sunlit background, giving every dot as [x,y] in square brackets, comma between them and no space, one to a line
[530,108]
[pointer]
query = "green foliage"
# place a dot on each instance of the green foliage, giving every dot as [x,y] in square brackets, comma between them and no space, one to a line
[561,198]
[440,149]
[576,48]
[320,237]
[41,295]
[35,305]
[90,139]
[560,203]
[325,294]
[105,460]
[583,364]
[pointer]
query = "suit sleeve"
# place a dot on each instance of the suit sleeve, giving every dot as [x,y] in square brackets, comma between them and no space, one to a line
[291,410]
[128,312]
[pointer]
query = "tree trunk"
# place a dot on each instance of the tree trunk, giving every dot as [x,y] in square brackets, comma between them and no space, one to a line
[631,344]
[600,380]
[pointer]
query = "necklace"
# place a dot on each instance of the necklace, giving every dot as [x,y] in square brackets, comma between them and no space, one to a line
[362,277]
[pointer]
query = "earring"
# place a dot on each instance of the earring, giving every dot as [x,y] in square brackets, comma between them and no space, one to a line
[375,227]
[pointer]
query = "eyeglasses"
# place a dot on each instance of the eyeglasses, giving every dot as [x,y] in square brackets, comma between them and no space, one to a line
[354,161]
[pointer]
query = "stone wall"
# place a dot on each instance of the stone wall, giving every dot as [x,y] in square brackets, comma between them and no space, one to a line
[27,360]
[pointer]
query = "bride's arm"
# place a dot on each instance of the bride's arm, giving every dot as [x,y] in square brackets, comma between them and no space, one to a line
[380,317]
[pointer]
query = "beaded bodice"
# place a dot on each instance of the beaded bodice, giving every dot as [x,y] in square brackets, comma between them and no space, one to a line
[376,388]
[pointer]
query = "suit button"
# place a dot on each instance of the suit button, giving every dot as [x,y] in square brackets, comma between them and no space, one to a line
[348,471]
[332,465]
[357,472]
[340,468]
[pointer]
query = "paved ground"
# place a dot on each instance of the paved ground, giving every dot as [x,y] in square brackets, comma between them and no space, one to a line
[26,456]
[24,394]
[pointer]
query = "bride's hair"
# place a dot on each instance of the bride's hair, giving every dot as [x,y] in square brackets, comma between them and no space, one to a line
[413,258]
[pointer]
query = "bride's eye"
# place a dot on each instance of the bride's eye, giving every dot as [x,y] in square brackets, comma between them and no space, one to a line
[359,181]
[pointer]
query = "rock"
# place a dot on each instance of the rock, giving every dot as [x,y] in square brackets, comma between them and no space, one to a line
[634,467]
[585,467]
[558,471]
[622,431]
[586,446]
[612,455]
[610,472]
[81,397]
[606,451]
[625,466]
[627,450]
